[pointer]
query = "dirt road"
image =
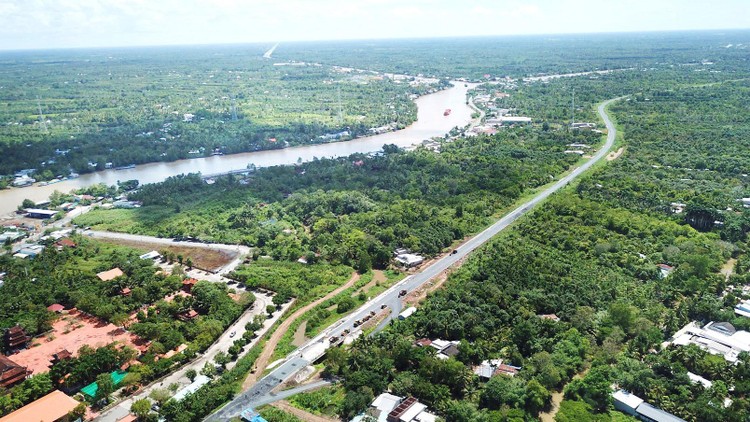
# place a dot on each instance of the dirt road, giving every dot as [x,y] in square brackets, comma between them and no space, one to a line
[267,353]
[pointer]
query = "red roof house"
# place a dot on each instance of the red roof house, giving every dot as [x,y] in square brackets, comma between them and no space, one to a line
[65,243]
[187,315]
[56,307]
[188,283]
[11,373]
[110,275]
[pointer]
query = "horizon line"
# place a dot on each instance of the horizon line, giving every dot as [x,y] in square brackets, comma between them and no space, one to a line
[332,40]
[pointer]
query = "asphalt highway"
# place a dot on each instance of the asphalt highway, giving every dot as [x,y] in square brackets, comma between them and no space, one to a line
[260,393]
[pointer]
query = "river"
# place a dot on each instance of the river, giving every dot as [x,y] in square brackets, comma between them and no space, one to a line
[430,122]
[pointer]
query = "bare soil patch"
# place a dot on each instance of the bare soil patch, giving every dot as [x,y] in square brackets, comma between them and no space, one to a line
[614,154]
[377,277]
[203,258]
[70,332]
[299,335]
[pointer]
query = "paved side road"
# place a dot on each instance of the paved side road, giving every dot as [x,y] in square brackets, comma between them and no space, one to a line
[260,393]
[221,345]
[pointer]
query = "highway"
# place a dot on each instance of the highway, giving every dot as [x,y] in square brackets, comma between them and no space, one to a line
[260,393]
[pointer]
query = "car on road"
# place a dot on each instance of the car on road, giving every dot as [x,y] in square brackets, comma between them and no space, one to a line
[402,293]
[383,306]
[455,251]
[233,333]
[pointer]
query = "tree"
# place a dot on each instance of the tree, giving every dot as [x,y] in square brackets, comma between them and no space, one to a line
[537,397]
[270,309]
[191,374]
[503,391]
[345,304]
[27,203]
[356,401]
[78,412]
[222,359]
[141,408]
[105,387]
[160,395]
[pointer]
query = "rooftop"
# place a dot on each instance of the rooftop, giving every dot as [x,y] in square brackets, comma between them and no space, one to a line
[657,415]
[49,408]
[630,400]
[110,275]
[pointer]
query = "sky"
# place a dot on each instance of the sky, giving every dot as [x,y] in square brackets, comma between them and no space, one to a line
[34,24]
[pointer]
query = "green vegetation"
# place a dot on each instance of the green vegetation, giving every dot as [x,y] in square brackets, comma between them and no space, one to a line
[288,279]
[334,211]
[324,401]
[271,413]
[127,106]
[590,255]
[521,56]
[68,276]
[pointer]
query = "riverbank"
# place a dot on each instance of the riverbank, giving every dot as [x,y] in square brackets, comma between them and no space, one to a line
[430,123]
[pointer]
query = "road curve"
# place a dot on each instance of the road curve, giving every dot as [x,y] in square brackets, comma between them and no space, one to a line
[260,393]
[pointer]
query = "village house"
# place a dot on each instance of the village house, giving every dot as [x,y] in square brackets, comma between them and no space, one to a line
[56,308]
[409,260]
[110,275]
[391,408]
[65,243]
[54,407]
[187,315]
[635,406]
[188,284]
[39,213]
[62,355]
[664,270]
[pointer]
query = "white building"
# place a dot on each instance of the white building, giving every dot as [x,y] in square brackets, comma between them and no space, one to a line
[407,313]
[199,382]
[388,407]
[409,260]
[626,402]
[717,338]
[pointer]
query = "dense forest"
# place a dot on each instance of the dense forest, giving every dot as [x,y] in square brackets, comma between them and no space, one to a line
[590,256]
[78,110]
[523,55]
[354,210]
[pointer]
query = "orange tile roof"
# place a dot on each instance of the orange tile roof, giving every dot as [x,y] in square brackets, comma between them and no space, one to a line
[49,408]
[10,372]
[55,307]
[65,242]
[110,275]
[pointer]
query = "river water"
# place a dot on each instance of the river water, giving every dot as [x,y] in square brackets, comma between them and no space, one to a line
[430,122]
